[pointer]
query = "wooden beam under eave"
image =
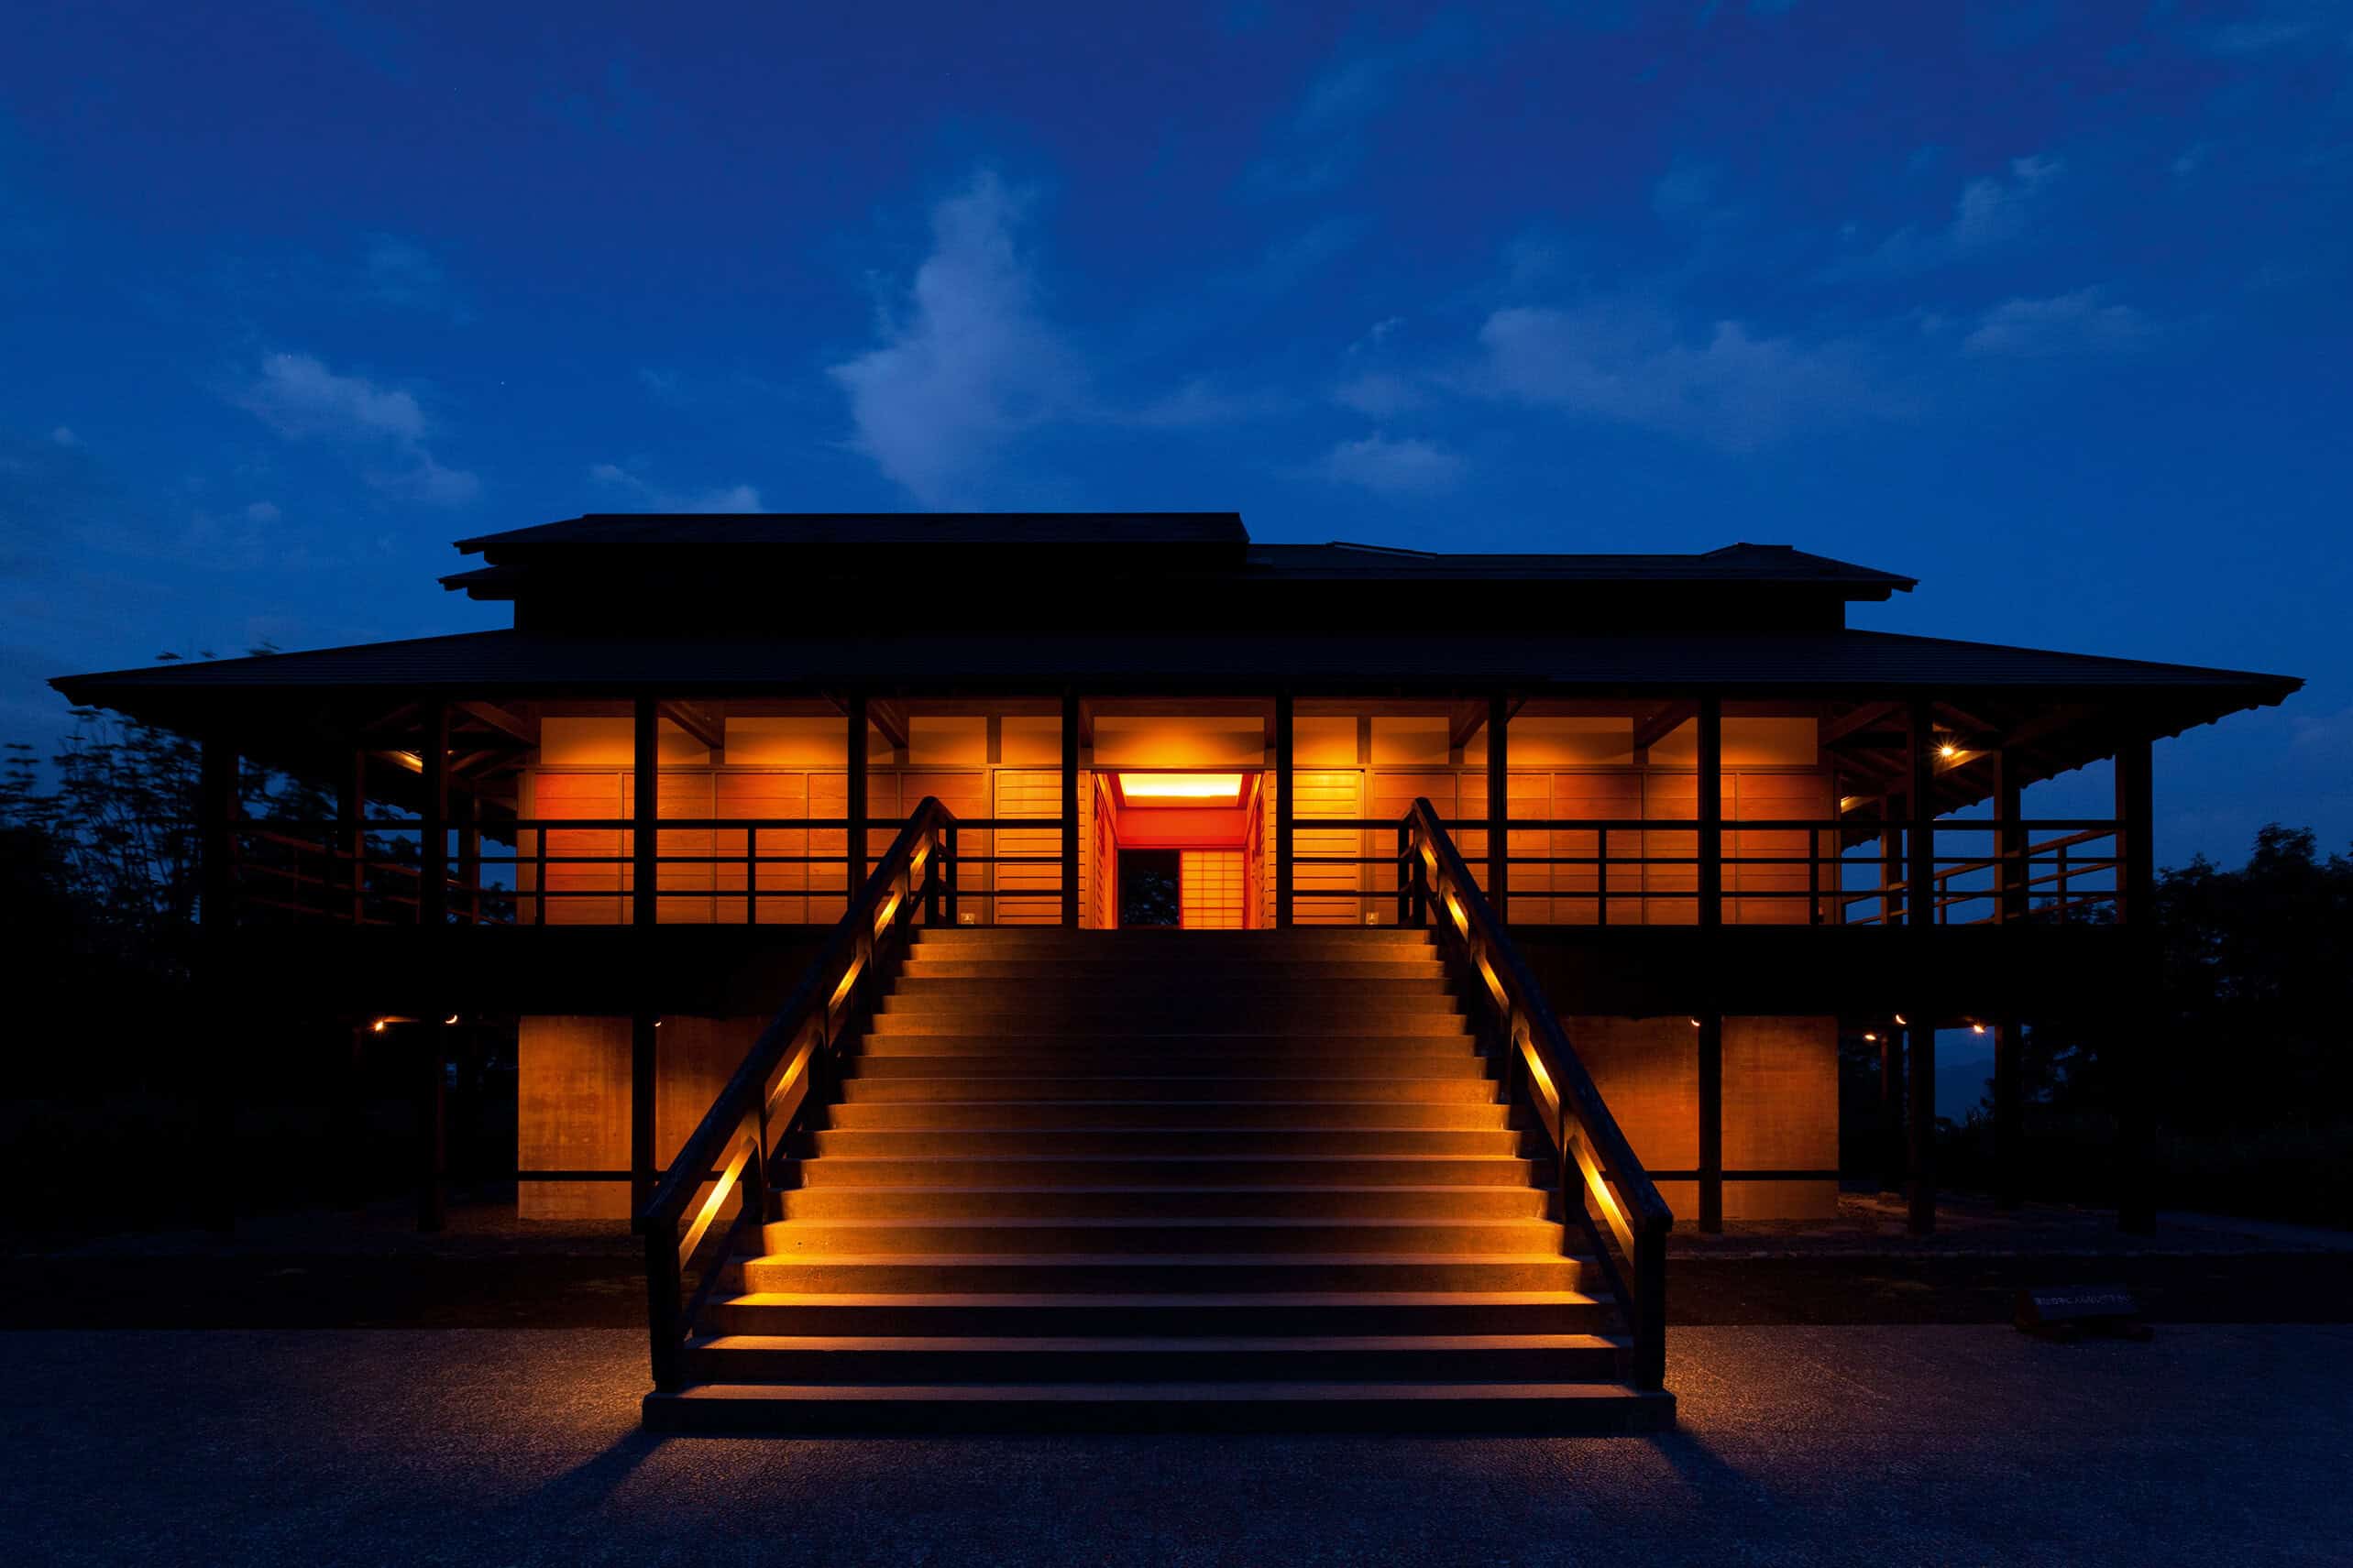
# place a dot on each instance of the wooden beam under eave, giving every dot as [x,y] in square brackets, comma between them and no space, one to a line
[703,725]
[1663,723]
[497,718]
[402,718]
[1463,723]
[890,717]
[1856,720]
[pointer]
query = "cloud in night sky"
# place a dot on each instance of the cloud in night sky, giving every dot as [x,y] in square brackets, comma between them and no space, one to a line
[301,399]
[965,359]
[1404,467]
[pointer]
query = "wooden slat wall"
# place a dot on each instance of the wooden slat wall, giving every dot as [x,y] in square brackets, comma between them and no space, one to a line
[1325,793]
[1030,792]
[1211,885]
[1766,796]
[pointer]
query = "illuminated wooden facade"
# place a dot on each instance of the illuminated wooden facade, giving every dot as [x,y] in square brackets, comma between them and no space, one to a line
[1732,826]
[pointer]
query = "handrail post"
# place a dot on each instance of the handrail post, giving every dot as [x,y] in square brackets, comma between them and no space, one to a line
[948,870]
[665,1311]
[931,881]
[1405,874]
[751,874]
[1646,1313]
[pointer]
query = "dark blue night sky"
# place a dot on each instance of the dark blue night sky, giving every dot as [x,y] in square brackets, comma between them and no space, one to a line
[2049,309]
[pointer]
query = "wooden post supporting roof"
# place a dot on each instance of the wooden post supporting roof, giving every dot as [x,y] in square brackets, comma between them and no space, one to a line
[645,814]
[1711,1122]
[216,811]
[433,857]
[433,1123]
[1921,900]
[1709,810]
[1891,1109]
[1499,807]
[2137,1023]
[644,1076]
[1070,810]
[351,825]
[2010,907]
[1284,808]
[854,854]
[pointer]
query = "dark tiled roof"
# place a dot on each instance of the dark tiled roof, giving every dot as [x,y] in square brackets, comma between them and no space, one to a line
[1214,540]
[834,529]
[1733,562]
[1847,661]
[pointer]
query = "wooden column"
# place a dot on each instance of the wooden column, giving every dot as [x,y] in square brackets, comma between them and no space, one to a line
[2010,837]
[1499,807]
[2010,908]
[1710,811]
[644,1035]
[2009,1116]
[2137,1022]
[469,856]
[433,1130]
[1070,810]
[432,853]
[351,834]
[217,812]
[1891,1109]
[854,855]
[645,812]
[1891,863]
[1920,878]
[1284,808]
[1711,1122]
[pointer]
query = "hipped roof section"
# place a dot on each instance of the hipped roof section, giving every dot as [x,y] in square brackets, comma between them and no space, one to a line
[1214,544]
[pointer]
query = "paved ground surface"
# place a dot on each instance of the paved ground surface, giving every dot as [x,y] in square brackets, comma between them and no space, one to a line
[1887,1445]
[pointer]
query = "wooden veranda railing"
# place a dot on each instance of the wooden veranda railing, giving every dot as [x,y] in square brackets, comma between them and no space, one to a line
[581,871]
[1596,1166]
[732,1151]
[1783,872]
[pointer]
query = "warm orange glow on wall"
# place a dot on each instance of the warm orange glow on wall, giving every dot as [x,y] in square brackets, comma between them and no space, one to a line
[1144,789]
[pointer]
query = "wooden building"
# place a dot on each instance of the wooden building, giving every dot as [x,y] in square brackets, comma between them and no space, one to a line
[1666,826]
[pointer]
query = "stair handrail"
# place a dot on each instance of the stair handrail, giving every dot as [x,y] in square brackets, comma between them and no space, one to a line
[1539,1059]
[781,1080]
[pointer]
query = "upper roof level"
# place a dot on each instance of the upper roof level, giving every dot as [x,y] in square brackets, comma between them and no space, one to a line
[1161,571]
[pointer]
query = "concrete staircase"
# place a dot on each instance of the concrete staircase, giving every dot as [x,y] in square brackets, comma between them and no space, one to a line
[1141,1179]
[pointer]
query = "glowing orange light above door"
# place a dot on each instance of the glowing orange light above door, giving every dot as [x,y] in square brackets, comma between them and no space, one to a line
[1141,788]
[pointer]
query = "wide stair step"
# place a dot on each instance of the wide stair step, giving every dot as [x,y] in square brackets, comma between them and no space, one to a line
[1143,1205]
[1545,1408]
[811,1238]
[1184,1358]
[1162,1180]
[1468,1087]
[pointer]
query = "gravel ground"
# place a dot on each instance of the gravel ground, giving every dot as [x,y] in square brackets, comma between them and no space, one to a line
[1879,1445]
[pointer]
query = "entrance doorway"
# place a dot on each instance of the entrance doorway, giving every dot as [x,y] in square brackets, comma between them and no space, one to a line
[1179,848]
